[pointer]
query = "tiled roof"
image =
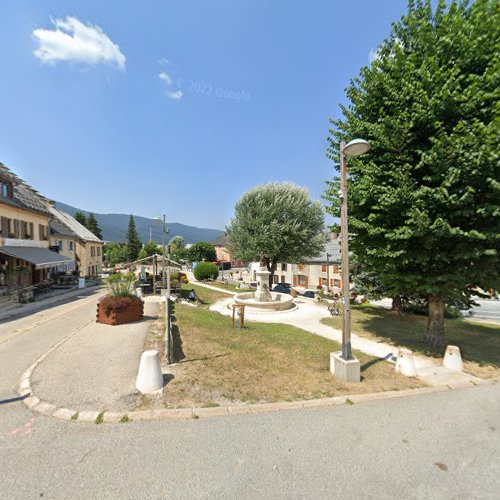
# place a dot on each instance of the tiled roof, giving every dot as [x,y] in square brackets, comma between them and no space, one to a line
[24,195]
[332,247]
[222,240]
[58,228]
[73,225]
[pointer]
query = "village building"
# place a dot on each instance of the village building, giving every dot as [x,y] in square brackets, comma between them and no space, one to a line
[313,272]
[223,253]
[88,248]
[26,260]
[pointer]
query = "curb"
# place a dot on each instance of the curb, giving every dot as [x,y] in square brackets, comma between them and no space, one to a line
[102,416]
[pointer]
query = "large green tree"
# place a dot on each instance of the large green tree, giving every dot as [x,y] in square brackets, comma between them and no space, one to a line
[81,218]
[202,251]
[178,248]
[424,204]
[134,244]
[93,226]
[149,249]
[276,222]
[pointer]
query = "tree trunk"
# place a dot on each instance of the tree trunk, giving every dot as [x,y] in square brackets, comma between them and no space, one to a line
[397,304]
[271,267]
[435,324]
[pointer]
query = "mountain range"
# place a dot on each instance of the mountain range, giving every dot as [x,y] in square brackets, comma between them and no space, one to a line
[114,227]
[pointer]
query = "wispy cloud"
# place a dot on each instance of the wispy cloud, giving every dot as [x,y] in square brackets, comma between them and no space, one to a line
[175,95]
[73,41]
[165,77]
[172,94]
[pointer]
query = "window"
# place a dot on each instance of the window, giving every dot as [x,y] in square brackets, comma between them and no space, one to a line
[323,282]
[70,246]
[302,280]
[6,190]
[323,268]
[92,251]
[60,245]
[99,251]
[283,278]
[336,269]
[275,279]
[336,282]
[283,267]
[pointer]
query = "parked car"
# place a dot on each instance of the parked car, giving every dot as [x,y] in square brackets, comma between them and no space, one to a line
[282,288]
[310,294]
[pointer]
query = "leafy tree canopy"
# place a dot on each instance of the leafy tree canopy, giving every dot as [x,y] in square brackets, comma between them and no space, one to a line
[276,222]
[424,203]
[201,251]
[150,248]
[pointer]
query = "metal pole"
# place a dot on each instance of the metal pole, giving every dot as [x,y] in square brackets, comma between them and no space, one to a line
[167,302]
[154,274]
[346,318]
[163,257]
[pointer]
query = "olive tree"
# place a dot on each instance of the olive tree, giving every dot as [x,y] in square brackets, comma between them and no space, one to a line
[276,222]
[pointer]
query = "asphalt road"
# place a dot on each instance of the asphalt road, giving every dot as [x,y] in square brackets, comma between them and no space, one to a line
[439,445]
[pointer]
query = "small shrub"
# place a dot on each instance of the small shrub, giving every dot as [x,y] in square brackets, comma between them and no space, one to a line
[116,304]
[205,271]
[121,285]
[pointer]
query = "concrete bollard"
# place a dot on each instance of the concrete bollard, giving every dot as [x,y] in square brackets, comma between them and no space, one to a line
[138,292]
[453,359]
[150,377]
[405,364]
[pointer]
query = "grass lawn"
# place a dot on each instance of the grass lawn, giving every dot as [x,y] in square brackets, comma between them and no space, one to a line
[230,288]
[205,296]
[219,365]
[479,344]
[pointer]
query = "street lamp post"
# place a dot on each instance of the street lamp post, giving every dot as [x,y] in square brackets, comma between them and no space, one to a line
[342,369]
[167,291]
[327,272]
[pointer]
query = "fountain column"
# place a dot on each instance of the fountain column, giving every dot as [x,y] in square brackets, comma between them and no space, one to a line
[263,294]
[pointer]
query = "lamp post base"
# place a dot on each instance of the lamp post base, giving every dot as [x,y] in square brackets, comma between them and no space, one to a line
[347,370]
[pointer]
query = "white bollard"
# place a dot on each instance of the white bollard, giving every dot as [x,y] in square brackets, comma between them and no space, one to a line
[453,359]
[405,363]
[150,377]
[138,292]
[81,282]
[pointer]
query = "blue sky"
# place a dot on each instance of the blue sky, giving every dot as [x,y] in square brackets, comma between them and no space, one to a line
[154,106]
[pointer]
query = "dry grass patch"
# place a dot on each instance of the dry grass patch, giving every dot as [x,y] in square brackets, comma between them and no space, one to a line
[219,365]
[479,344]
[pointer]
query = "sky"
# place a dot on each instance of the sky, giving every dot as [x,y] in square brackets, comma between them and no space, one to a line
[155,106]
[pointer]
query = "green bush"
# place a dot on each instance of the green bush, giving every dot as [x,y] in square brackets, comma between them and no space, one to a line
[121,285]
[206,271]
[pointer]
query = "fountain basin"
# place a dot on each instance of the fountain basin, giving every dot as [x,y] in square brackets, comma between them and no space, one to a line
[279,302]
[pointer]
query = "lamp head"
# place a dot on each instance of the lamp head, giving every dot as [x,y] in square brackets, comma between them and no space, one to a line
[356,147]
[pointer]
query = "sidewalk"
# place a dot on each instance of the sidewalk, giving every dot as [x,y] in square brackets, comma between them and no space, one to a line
[97,366]
[308,316]
[62,298]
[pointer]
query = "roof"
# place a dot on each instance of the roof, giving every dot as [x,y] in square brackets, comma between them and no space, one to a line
[24,195]
[41,257]
[58,228]
[221,241]
[332,248]
[73,225]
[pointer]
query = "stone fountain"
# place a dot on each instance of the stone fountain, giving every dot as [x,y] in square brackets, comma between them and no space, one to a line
[263,298]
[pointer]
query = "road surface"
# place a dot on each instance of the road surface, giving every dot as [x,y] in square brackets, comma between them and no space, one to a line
[440,445]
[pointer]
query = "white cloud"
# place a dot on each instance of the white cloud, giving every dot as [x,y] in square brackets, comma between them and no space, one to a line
[175,95]
[165,77]
[172,94]
[73,41]
[163,61]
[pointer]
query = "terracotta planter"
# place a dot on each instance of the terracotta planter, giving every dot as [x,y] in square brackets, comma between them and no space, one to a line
[134,312]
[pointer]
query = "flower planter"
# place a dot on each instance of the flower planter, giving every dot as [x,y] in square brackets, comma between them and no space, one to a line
[134,312]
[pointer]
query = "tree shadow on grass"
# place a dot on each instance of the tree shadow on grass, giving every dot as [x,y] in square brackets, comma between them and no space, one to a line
[478,343]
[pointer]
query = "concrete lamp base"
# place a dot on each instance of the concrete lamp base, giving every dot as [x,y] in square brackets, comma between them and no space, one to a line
[348,370]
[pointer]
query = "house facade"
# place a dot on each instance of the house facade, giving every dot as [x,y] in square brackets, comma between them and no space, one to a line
[25,257]
[221,245]
[323,270]
[88,248]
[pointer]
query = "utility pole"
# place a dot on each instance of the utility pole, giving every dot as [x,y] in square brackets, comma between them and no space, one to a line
[327,273]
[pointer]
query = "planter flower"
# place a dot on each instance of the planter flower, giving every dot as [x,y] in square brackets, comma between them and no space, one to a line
[121,305]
